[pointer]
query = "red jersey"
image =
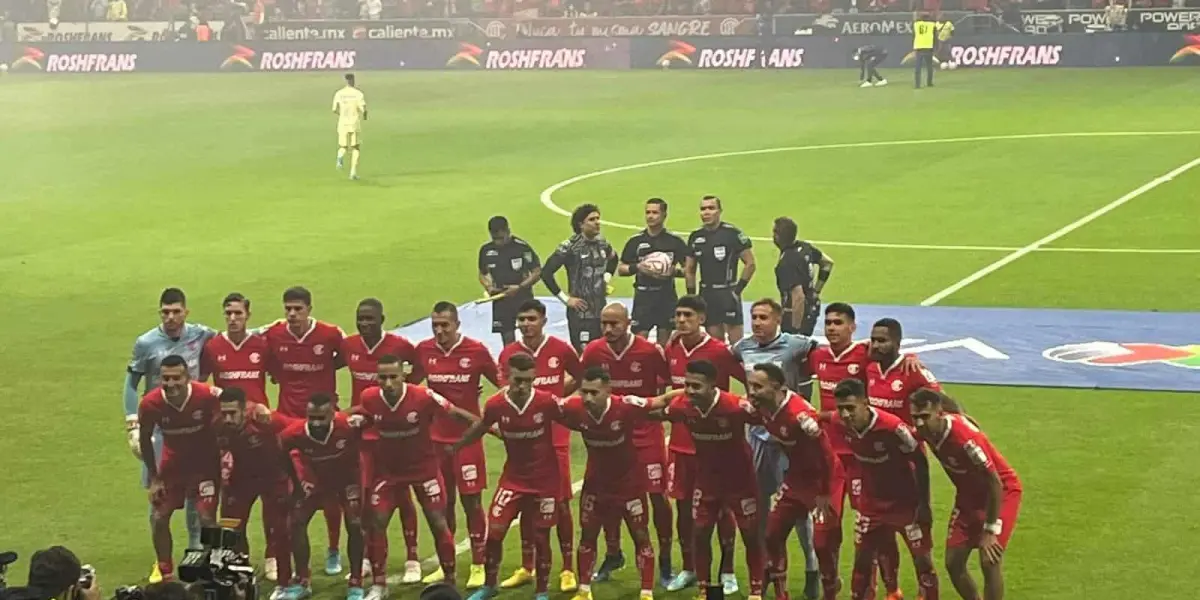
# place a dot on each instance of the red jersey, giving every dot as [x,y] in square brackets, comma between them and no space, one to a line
[242,366]
[554,359]
[305,364]
[884,452]
[831,369]
[257,453]
[398,436]
[811,461]
[532,463]
[640,369]
[613,468]
[189,431]
[968,456]
[889,389]
[363,361]
[727,464]
[678,356]
[456,375]
[333,459]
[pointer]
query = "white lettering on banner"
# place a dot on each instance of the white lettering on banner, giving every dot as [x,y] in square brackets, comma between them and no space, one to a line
[102,31]
[1087,19]
[563,58]
[727,58]
[785,58]
[308,60]
[1041,23]
[877,27]
[1174,20]
[290,34]
[1041,55]
[91,63]
[971,344]
[672,28]
[449,378]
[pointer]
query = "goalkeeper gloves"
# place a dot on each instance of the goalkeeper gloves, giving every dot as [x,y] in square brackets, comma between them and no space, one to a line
[133,434]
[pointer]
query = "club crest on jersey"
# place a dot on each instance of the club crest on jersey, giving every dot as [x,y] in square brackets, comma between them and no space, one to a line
[255,357]
[722,422]
[197,415]
[879,447]
[852,369]
[412,417]
[719,252]
[783,431]
[319,349]
[616,425]
[464,363]
[897,386]
[554,362]
[538,418]
[516,263]
[340,444]
[252,440]
[636,367]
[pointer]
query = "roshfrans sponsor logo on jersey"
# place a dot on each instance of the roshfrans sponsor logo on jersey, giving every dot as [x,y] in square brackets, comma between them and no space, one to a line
[1006,55]
[1124,354]
[290,60]
[1190,49]
[76,62]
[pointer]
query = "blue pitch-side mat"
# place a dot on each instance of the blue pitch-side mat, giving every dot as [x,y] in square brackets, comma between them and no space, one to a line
[1000,346]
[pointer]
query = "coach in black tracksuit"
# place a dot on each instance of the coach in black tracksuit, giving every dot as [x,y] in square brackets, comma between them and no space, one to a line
[654,297]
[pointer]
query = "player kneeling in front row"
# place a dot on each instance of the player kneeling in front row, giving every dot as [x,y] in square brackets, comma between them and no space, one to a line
[869,57]
[988,498]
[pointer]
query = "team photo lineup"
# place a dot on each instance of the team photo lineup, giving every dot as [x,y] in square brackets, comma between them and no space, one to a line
[672,443]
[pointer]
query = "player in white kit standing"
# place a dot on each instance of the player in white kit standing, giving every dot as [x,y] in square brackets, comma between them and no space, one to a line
[351,108]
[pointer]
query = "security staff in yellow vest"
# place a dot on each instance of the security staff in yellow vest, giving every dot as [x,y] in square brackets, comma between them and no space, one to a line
[924,34]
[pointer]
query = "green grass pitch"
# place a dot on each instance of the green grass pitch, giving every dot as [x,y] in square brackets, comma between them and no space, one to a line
[112,188]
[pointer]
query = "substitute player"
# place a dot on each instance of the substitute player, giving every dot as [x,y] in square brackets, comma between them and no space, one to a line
[767,344]
[187,413]
[654,295]
[689,344]
[173,336]
[361,352]
[798,292]
[530,483]
[895,489]
[305,357]
[507,265]
[590,262]
[608,424]
[455,365]
[557,371]
[988,498]
[716,250]
[324,448]
[636,367]
[350,105]
[814,476]
[398,457]
[726,483]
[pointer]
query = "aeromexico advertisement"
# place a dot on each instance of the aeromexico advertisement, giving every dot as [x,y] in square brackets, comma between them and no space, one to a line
[666,53]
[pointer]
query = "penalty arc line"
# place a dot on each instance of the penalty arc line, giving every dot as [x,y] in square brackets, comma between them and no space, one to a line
[1068,228]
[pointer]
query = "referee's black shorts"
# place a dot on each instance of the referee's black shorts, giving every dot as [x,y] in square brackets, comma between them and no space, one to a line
[654,310]
[724,305]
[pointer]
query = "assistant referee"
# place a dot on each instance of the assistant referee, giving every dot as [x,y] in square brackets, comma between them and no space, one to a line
[799,294]
[716,249]
[654,296]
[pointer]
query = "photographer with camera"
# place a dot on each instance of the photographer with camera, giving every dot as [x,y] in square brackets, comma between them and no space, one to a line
[54,573]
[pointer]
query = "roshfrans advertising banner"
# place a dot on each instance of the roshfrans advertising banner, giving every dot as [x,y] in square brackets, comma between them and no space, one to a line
[551,54]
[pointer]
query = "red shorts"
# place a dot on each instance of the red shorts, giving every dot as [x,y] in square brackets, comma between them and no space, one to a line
[467,468]
[791,505]
[654,460]
[346,494]
[182,481]
[706,507]
[870,529]
[853,482]
[597,510]
[538,510]
[681,476]
[239,495]
[388,493]
[966,526]
[565,491]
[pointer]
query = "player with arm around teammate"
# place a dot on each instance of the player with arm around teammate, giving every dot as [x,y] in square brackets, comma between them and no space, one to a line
[350,105]
[988,496]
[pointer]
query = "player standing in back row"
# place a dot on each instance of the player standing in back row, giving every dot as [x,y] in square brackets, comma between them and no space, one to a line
[590,261]
[799,294]
[350,106]
[654,296]
[716,249]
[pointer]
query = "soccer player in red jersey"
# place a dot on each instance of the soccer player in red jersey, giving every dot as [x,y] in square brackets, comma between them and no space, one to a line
[361,352]
[236,357]
[637,367]
[398,456]
[895,489]
[814,476]
[250,434]
[988,498]
[556,364]
[727,483]
[190,466]
[608,424]
[529,484]
[888,384]
[324,450]
[454,365]
[690,343]
[304,360]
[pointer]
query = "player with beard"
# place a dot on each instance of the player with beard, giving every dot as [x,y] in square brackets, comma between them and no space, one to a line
[590,262]
[716,250]
[888,384]
[636,367]
[361,351]
[692,343]
[455,365]
[894,498]
[654,296]
[557,372]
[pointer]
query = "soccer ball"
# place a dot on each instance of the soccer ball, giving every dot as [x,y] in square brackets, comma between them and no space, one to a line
[3,67]
[658,263]
[951,65]
[944,65]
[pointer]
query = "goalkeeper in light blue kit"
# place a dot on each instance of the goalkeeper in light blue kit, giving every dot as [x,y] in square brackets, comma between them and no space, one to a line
[174,336]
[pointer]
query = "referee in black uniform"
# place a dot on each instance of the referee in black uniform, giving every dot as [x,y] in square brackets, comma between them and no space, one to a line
[716,249]
[590,261]
[799,294]
[507,265]
[654,296]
